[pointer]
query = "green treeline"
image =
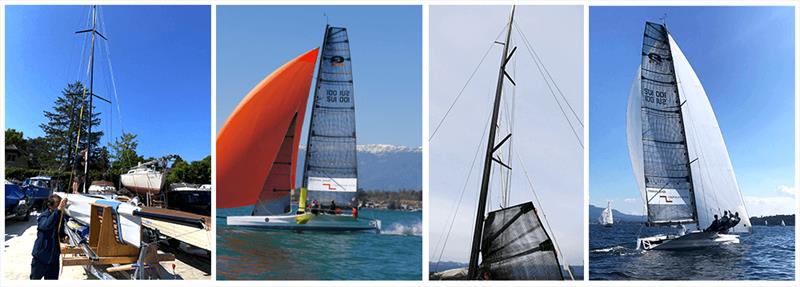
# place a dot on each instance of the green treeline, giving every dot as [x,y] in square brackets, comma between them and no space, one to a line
[66,133]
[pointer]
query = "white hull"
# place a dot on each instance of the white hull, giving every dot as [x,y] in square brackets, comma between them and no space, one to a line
[695,240]
[79,209]
[143,181]
[320,222]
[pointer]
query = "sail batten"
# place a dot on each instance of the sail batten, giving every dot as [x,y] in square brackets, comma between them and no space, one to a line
[330,173]
[665,166]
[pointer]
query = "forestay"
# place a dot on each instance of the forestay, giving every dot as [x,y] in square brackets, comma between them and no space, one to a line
[515,246]
[330,172]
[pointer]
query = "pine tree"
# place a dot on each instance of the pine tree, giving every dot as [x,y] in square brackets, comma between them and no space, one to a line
[62,128]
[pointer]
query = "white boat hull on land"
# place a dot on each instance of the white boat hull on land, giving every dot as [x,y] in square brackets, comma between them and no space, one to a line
[320,222]
[143,181]
[129,226]
[694,240]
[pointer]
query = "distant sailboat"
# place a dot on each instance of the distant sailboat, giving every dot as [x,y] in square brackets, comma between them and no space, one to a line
[783,223]
[766,223]
[678,155]
[607,217]
[258,147]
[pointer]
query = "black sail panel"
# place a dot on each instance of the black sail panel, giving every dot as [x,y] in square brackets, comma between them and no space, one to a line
[515,246]
[667,175]
[330,173]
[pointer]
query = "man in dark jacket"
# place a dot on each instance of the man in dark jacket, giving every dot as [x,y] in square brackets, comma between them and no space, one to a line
[47,249]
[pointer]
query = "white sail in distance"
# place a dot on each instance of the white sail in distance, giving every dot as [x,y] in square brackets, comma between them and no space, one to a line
[607,217]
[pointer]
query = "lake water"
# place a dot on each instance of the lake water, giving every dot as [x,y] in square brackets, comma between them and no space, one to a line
[765,254]
[251,254]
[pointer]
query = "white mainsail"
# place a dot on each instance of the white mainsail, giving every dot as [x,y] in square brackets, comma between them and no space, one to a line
[783,223]
[607,217]
[713,182]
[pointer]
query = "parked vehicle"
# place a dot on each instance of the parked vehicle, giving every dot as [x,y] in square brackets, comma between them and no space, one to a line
[16,202]
[37,189]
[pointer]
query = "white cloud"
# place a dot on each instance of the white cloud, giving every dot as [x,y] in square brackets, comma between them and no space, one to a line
[769,205]
[787,190]
[630,200]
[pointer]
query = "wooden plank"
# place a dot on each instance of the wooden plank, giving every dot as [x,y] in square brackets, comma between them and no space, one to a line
[66,249]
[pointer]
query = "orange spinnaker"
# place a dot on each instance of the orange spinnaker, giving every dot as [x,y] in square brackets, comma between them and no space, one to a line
[250,141]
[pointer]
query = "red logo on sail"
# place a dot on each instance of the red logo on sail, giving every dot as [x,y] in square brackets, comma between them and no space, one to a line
[328,185]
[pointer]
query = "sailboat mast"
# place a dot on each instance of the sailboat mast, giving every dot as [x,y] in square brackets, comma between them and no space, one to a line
[304,183]
[683,127]
[487,163]
[91,104]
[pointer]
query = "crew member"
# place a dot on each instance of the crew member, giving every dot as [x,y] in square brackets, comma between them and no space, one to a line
[46,248]
[714,225]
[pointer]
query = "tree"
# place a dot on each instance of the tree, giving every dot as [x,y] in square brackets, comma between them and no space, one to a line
[69,118]
[123,155]
[16,138]
[123,152]
[198,172]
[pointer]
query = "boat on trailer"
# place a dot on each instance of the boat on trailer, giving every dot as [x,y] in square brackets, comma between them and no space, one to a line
[259,146]
[677,151]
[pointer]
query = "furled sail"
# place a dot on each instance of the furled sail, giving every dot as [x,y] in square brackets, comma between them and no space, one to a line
[257,146]
[330,172]
[657,139]
[515,246]
[607,216]
[716,189]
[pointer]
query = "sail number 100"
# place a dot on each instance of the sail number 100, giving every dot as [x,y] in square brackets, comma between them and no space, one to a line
[660,97]
[334,96]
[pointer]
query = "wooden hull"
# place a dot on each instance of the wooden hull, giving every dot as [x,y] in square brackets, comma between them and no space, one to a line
[321,222]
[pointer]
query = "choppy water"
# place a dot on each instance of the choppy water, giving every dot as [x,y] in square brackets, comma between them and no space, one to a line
[765,254]
[394,254]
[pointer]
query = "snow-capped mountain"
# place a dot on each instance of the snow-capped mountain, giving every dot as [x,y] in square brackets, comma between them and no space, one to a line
[383,167]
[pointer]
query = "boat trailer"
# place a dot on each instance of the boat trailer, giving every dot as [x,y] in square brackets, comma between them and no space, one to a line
[105,256]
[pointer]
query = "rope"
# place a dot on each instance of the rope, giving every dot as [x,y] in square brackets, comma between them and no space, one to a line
[461,197]
[540,68]
[536,55]
[435,130]
[544,214]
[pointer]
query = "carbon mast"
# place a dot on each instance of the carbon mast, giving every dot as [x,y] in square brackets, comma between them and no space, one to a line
[490,149]
[94,33]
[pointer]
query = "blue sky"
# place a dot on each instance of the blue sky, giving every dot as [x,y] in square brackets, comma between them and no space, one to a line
[542,140]
[161,58]
[386,45]
[744,56]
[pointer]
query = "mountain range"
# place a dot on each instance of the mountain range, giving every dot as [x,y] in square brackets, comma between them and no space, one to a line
[383,167]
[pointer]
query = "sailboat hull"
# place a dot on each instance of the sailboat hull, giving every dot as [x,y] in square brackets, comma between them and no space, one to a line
[129,225]
[696,240]
[321,222]
[143,182]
